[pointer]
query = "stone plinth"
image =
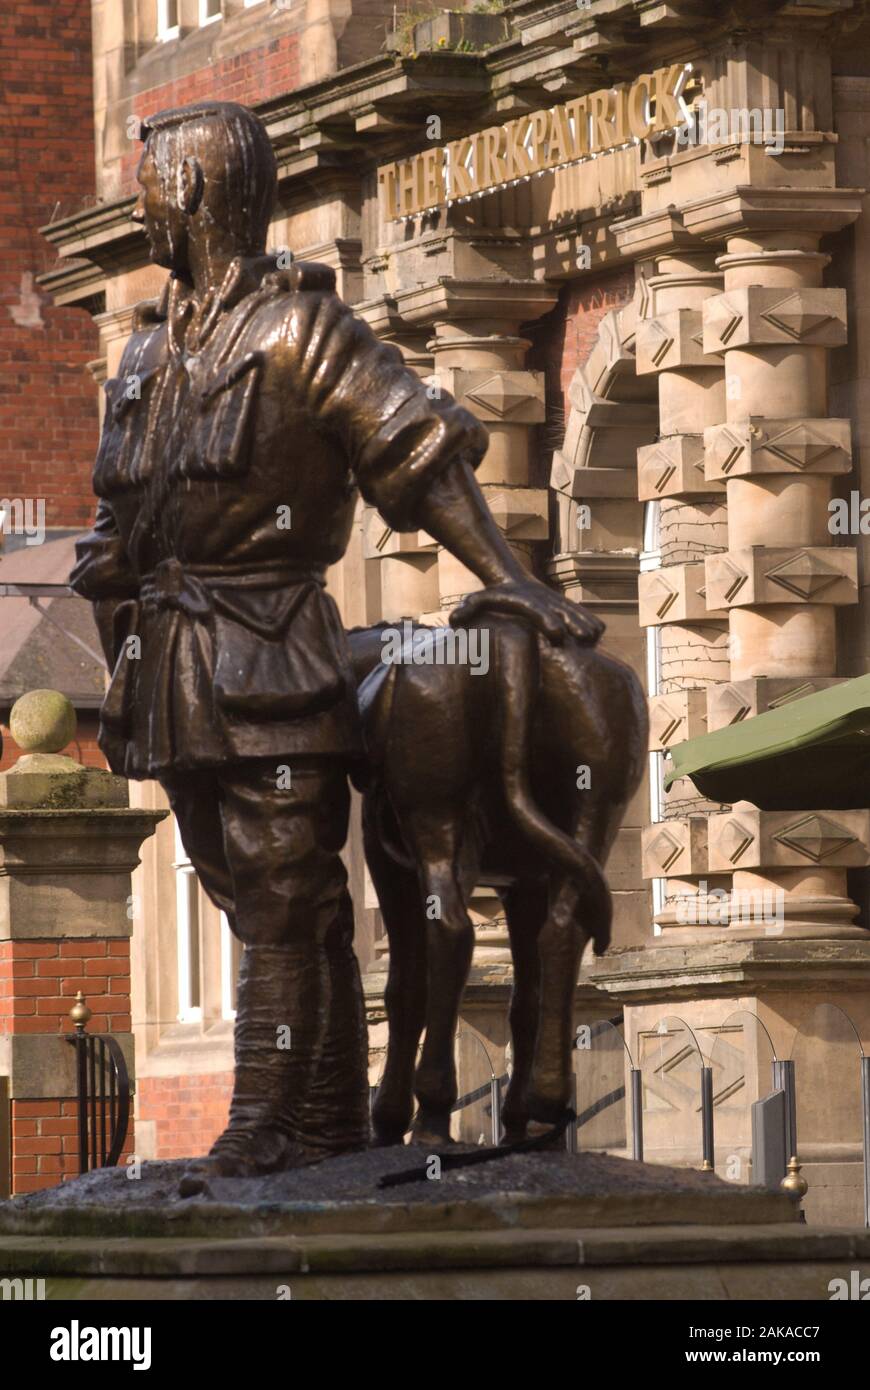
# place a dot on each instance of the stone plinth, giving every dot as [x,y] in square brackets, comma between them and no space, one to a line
[541,1227]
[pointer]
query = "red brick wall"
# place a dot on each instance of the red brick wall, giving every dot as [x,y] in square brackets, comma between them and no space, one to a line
[48,404]
[83,748]
[581,309]
[38,985]
[561,342]
[249,78]
[45,1144]
[190,1111]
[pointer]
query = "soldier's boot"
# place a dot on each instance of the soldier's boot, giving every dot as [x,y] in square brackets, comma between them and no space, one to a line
[335,1113]
[283,992]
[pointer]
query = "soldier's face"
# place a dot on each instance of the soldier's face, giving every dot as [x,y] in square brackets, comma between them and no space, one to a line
[158,212]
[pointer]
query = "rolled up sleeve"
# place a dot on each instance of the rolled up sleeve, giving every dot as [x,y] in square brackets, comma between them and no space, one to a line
[102,569]
[397,437]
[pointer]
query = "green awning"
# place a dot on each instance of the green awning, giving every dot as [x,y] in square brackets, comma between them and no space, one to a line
[810,752]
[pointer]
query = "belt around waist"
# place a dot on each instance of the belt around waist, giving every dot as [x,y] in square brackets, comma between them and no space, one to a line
[188,587]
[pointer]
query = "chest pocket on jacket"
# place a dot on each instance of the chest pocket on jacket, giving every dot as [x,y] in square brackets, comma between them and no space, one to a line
[123,458]
[220,419]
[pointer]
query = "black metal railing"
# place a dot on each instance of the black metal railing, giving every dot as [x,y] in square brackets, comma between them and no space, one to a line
[103,1092]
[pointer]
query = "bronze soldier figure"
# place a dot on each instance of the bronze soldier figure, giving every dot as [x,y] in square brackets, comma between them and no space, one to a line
[250,405]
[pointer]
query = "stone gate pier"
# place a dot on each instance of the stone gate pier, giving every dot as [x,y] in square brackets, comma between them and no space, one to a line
[69,842]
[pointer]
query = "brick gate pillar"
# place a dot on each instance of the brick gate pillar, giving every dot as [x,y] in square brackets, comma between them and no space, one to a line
[68,845]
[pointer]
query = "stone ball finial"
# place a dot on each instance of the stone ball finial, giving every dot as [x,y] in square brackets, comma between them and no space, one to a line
[42,721]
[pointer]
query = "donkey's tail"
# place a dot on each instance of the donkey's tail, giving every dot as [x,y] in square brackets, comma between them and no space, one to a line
[517,685]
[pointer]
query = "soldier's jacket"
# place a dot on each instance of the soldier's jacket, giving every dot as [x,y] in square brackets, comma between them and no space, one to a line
[236,434]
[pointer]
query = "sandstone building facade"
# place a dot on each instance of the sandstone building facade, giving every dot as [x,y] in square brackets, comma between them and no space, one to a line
[629,236]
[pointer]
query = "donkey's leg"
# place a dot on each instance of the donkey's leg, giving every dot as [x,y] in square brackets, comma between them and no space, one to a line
[450,943]
[526,910]
[560,945]
[405,996]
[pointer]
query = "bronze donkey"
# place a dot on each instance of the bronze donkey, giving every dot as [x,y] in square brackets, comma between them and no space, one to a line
[517,778]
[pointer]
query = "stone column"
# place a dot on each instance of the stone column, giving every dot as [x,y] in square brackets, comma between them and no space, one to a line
[478,357]
[68,845]
[780,580]
[692,635]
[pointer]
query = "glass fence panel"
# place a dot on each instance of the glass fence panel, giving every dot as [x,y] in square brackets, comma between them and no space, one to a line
[741,1057]
[670,1061]
[473,1113]
[602,1066]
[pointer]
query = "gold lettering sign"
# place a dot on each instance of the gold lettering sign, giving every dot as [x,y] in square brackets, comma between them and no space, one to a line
[596,124]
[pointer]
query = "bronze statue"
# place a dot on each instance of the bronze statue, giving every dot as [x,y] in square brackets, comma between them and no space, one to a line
[517,777]
[249,406]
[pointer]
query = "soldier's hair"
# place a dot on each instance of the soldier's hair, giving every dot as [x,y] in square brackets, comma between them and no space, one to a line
[249,169]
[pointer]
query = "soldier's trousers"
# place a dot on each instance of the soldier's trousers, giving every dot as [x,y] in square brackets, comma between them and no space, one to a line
[268,855]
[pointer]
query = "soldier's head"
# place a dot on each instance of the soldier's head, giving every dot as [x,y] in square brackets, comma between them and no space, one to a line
[207,173]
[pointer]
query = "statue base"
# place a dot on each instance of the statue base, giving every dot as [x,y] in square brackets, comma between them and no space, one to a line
[545,1226]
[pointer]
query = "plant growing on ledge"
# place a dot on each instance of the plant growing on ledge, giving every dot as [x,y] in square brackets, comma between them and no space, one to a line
[435,30]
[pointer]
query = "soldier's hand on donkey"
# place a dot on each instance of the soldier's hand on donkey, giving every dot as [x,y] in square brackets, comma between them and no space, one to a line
[532,602]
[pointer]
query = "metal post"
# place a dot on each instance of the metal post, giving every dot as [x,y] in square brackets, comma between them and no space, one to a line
[571,1131]
[707,1119]
[784,1080]
[5,1139]
[865,1097]
[637,1114]
[92,1090]
[103,1149]
[82,1098]
[495,1108]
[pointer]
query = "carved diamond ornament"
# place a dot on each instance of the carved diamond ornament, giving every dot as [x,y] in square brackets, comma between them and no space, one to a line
[732,701]
[815,837]
[723,318]
[499,394]
[661,466]
[737,576]
[791,315]
[655,329]
[804,574]
[665,850]
[734,840]
[665,721]
[801,446]
[727,449]
[663,595]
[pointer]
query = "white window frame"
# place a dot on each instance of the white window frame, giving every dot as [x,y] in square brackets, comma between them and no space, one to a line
[186,890]
[228,969]
[206,18]
[165,30]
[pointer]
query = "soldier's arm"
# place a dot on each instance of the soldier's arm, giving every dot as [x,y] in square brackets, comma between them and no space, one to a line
[413,458]
[102,573]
